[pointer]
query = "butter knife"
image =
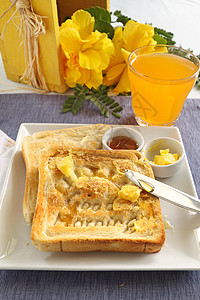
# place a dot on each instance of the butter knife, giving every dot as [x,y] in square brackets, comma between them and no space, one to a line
[164,191]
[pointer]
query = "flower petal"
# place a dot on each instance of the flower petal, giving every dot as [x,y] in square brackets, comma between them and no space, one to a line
[89,59]
[123,86]
[136,35]
[115,71]
[105,58]
[85,76]
[125,54]
[68,23]
[117,57]
[95,80]
[70,40]
[85,22]
[108,82]
[90,41]
[71,76]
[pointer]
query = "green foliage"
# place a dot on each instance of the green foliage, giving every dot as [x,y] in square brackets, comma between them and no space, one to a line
[99,13]
[102,20]
[198,79]
[168,36]
[159,39]
[106,27]
[99,97]
[121,18]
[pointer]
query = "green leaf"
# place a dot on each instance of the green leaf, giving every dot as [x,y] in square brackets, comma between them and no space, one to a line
[103,87]
[198,82]
[102,97]
[103,26]
[118,109]
[76,93]
[71,97]
[81,96]
[111,101]
[65,110]
[106,99]
[116,115]
[98,96]
[159,39]
[79,86]
[77,89]
[100,87]
[121,18]
[88,97]
[114,105]
[103,110]
[67,105]
[78,104]
[168,36]
[107,114]
[74,111]
[70,101]
[99,13]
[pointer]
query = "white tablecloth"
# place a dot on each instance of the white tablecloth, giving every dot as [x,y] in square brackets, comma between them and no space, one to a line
[6,149]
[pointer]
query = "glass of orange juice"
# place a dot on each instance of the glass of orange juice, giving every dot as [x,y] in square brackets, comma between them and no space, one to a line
[161,77]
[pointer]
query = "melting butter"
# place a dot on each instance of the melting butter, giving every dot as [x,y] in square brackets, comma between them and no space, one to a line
[66,166]
[129,192]
[167,224]
[146,186]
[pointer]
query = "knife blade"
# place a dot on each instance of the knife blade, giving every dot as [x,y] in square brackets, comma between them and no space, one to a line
[164,191]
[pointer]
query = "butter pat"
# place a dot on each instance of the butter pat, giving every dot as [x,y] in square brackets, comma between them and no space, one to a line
[129,192]
[165,158]
[66,166]
[144,224]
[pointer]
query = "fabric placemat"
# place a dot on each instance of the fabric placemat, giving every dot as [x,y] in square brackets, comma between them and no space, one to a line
[17,109]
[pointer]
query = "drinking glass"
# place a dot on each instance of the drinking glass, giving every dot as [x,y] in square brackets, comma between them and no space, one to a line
[161,77]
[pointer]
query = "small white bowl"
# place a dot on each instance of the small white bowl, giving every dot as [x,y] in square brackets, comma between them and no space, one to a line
[153,148]
[122,131]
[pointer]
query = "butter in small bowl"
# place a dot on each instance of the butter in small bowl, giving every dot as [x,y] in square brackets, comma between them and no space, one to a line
[165,155]
[165,158]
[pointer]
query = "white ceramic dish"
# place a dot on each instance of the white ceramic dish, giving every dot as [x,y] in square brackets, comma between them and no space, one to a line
[123,131]
[180,252]
[153,148]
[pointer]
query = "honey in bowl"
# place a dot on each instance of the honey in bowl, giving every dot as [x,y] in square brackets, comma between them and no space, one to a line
[122,142]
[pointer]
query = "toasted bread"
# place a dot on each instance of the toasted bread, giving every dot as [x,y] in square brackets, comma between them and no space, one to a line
[82,136]
[80,206]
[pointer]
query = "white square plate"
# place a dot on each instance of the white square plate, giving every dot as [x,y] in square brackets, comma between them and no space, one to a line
[180,252]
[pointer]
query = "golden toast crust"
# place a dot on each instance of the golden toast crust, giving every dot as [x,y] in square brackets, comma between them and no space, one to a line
[76,212]
[89,136]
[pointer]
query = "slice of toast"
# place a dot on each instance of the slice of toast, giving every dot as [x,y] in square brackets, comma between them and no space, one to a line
[83,137]
[84,203]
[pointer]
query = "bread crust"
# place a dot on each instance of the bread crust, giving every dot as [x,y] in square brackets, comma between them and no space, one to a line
[62,220]
[89,136]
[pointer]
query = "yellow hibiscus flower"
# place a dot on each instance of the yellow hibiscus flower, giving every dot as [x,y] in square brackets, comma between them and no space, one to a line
[86,53]
[125,41]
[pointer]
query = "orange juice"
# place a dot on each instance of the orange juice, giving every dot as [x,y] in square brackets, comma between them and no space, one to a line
[160,83]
